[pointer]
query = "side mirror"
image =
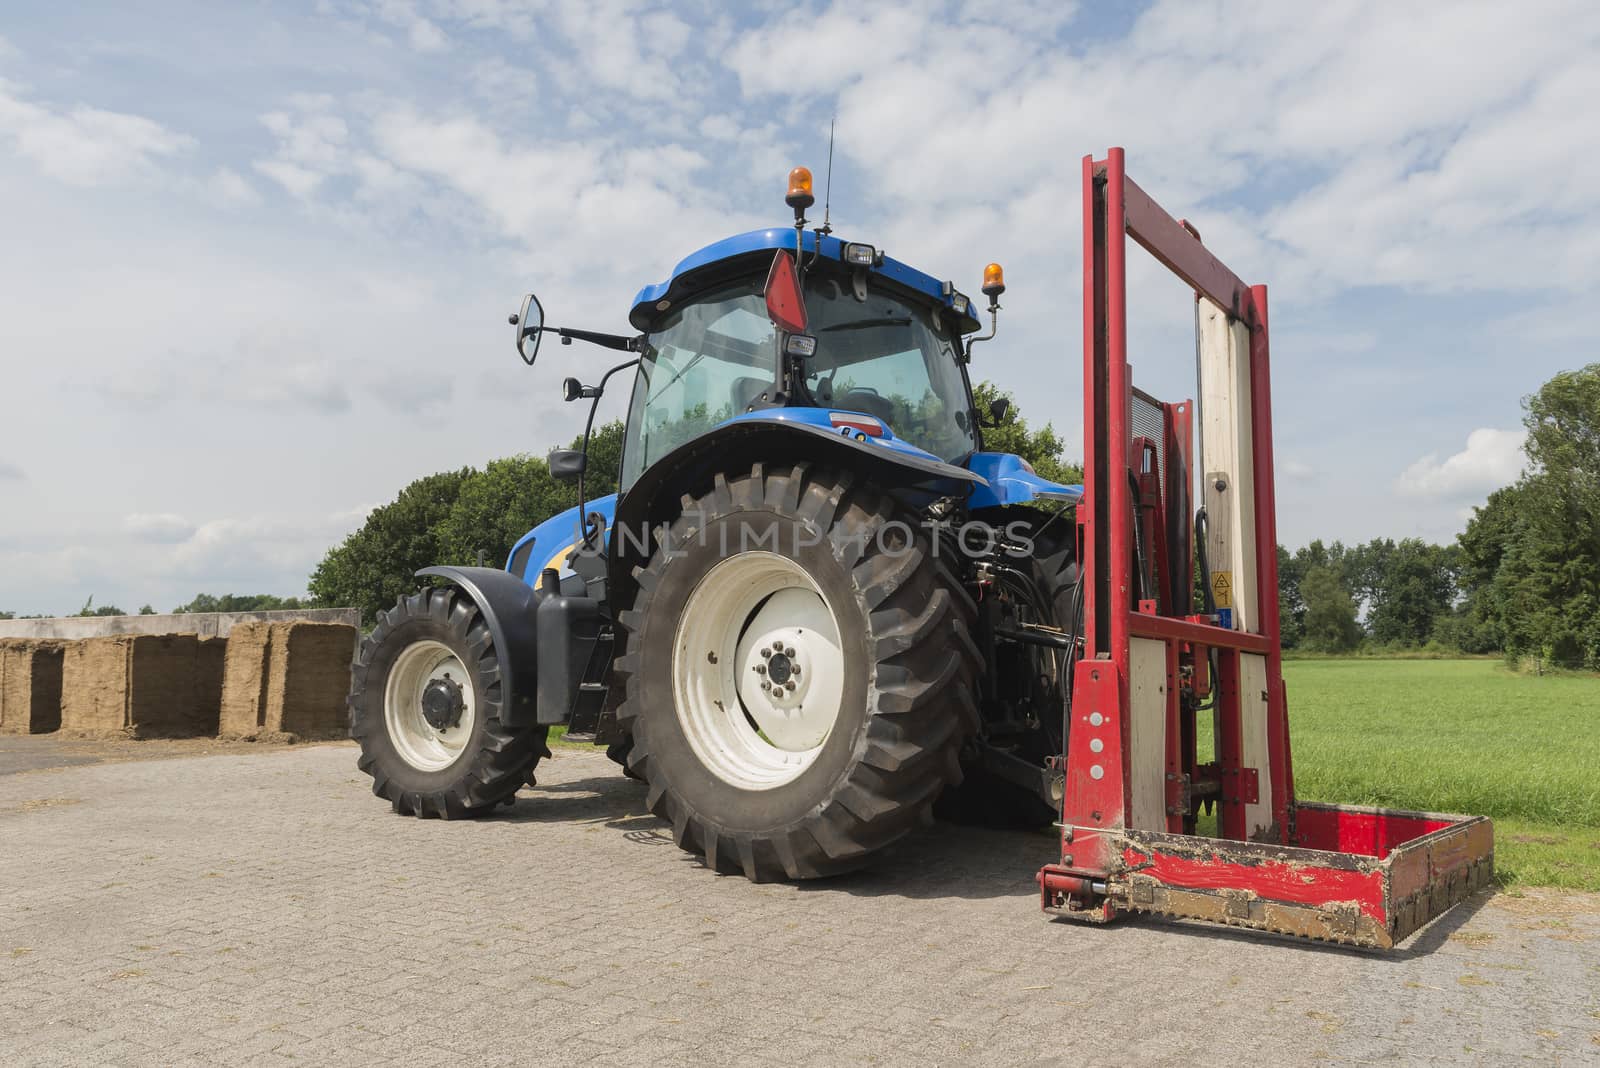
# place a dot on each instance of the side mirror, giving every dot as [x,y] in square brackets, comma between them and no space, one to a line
[530,328]
[567,465]
[998,409]
[572,389]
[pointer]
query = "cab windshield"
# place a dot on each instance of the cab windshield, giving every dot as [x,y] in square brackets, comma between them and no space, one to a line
[889,358]
[713,358]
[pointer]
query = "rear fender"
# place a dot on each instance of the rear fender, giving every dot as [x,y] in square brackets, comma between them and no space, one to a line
[736,446]
[509,609]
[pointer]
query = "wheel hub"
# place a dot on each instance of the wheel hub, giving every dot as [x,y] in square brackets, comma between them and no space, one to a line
[764,685]
[442,703]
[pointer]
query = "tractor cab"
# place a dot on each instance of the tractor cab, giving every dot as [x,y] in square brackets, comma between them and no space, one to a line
[784,343]
[881,350]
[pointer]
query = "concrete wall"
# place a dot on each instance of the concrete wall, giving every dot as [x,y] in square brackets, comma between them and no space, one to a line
[204,624]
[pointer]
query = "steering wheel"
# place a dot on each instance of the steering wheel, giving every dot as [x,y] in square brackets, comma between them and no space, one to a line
[865,399]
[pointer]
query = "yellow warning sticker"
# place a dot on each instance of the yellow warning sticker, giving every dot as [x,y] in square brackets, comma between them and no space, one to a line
[1222,588]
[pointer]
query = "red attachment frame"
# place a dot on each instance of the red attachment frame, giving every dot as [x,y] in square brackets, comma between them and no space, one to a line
[1134,782]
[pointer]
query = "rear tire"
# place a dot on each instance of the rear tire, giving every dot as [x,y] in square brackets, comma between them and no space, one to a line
[426,700]
[759,784]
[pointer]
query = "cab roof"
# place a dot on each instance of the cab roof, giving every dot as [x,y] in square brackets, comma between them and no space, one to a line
[697,269]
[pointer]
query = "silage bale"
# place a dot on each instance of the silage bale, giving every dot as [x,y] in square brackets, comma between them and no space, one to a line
[138,684]
[30,685]
[243,711]
[287,679]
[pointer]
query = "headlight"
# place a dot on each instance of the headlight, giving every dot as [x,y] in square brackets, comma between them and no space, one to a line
[860,255]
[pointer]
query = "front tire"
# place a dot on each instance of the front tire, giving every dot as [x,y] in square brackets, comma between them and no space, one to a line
[799,674]
[426,700]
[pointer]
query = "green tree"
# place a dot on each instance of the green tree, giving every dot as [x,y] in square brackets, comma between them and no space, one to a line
[1330,618]
[240,602]
[1042,448]
[1291,607]
[1494,527]
[89,609]
[374,566]
[1412,586]
[450,518]
[1531,554]
[510,497]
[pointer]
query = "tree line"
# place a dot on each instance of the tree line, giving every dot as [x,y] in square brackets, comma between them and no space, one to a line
[1522,579]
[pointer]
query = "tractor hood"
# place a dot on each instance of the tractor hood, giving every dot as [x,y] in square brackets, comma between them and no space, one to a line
[739,254]
[550,543]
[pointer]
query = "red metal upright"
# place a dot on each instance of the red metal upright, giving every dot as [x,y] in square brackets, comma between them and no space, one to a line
[1133,779]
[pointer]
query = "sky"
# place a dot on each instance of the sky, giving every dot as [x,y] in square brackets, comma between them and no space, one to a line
[256,258]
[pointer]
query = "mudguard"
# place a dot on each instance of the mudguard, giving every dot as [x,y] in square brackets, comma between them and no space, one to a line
[509,609]
[773,436]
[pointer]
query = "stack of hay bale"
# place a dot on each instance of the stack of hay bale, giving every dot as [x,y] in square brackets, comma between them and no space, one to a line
[279,680]
[286,679]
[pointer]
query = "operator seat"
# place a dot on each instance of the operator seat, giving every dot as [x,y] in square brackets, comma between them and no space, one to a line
[866,400]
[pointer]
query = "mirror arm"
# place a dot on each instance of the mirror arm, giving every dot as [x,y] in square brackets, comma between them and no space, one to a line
[594,337]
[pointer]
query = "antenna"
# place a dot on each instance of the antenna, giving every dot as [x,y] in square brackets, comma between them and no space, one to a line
[827,188]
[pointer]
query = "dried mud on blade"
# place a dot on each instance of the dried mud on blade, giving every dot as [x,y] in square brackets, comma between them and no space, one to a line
[1360,876]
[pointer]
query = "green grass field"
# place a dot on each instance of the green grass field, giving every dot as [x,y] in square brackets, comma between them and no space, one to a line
[1464,736]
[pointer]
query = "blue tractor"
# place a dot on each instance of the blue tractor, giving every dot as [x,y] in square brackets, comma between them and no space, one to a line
[817,606]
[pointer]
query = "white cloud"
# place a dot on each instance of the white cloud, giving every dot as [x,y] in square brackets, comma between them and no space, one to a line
[426,37]
[299,181]
[85,146]
[299,384]
[10,472]
[231,189]
[164,528]
[405,393]
[1492,458]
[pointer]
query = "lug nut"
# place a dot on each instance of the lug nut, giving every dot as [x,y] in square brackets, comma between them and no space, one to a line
[777,646]
[795,671]
[765,653]
[789,686]
[759,669]
[789,652]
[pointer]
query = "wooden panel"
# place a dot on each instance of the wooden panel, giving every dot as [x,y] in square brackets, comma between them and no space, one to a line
[1147,723]
[1229,483]
[1253,735]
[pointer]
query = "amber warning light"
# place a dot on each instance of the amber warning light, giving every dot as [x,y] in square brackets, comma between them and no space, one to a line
[799,196]
[994,281]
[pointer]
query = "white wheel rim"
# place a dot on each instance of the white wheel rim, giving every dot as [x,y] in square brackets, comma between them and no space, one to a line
[747,605]
[419,743]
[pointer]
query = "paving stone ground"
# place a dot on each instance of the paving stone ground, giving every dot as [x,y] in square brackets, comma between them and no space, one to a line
[265,909]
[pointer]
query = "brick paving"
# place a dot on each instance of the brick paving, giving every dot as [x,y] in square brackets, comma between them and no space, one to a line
[265,909]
